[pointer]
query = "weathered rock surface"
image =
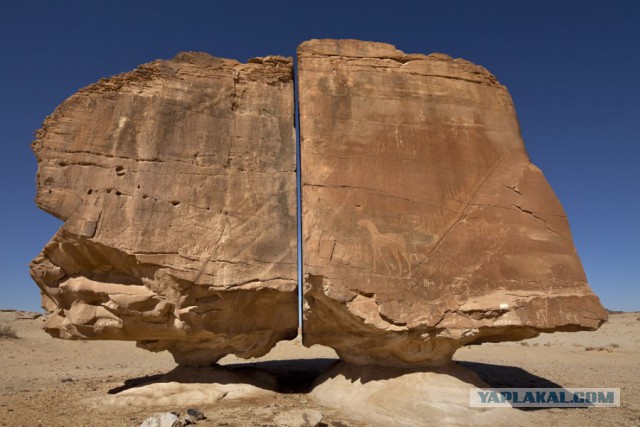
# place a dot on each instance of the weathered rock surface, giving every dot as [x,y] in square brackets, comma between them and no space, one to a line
[176,185]
[426,227]
[381,396]
[185,386]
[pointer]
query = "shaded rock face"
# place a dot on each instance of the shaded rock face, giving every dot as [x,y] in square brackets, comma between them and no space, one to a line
[425,226]
[176,185]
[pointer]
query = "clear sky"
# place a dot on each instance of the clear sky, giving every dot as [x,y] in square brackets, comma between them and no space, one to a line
[572,68]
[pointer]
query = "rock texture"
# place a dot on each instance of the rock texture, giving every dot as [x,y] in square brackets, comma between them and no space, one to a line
[379,396]
[426,227]
[192,386]
[176,185]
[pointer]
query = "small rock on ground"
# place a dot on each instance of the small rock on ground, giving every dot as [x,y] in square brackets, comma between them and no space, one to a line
[165,419]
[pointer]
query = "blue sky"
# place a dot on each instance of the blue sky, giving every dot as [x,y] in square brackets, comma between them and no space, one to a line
[571,66]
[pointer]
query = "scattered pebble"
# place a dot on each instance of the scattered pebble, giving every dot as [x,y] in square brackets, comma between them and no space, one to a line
[194,415]
[173,419]
[165,419]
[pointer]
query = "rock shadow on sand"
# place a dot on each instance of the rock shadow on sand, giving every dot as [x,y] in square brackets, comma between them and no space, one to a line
[279,376]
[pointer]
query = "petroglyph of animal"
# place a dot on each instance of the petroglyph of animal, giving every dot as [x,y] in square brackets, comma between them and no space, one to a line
[395,245]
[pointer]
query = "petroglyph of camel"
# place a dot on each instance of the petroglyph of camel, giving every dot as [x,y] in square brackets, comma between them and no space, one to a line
[394,242]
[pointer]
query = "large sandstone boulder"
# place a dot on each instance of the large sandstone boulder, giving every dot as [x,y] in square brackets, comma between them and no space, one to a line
[425,225]
[176,185]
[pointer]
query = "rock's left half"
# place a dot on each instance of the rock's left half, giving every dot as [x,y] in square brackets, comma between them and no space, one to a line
[176,185]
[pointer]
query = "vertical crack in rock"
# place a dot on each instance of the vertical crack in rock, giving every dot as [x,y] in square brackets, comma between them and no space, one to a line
[425,226]
[176,185]
[398,152]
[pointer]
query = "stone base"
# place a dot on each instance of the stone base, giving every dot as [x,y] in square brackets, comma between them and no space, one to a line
[185,386]
[379,396]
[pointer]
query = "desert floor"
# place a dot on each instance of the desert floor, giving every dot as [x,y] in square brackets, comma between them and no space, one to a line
[50,382]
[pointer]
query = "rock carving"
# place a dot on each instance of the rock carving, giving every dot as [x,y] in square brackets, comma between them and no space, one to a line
[444,232]
[425,225]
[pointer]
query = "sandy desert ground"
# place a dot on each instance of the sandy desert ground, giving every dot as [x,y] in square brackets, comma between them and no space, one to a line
[50,382]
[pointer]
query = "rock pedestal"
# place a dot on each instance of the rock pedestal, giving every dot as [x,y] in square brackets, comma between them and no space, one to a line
[379,396]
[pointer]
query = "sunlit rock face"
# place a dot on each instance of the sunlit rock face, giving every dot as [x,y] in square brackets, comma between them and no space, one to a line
[425,225]
[176,185]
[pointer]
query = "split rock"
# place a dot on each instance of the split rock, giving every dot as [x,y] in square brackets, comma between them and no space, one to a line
[425,225]
[176,185]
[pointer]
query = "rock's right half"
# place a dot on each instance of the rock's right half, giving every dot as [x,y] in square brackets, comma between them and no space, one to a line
[425,225]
